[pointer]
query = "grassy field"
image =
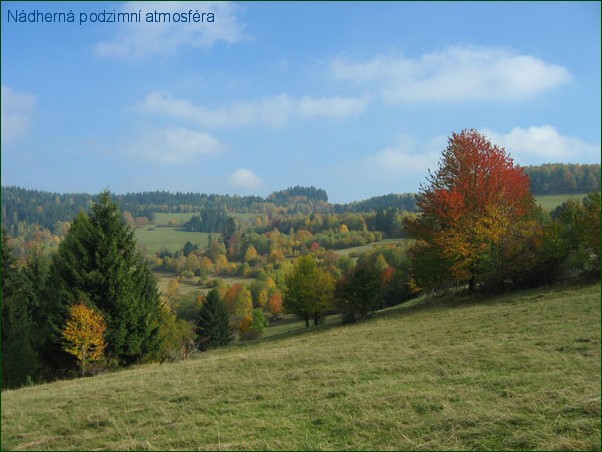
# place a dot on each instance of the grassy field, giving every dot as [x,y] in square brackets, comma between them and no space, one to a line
[357,250]
[151,238]
[517,371]
[550,202]
[165,217]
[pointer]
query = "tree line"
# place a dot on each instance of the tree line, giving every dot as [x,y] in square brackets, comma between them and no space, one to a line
[23,207]
[561,178]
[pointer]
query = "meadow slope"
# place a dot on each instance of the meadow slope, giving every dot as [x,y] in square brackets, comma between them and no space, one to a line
[516,371]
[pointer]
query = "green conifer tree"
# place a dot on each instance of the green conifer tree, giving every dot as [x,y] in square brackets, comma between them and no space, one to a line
[98,262]
[213,324]
[19,360]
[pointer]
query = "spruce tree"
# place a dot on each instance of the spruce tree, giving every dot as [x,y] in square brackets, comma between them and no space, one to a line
[19,360]
[98,263]
[213,323]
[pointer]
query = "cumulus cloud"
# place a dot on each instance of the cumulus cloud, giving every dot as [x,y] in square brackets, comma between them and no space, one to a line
[272,111]
[476,74]
[245,179]
[543,144]
[174,145]
[16,114]
[138,41]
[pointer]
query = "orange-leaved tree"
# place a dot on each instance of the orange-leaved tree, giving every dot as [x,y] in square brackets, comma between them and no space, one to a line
[84,334]
[475,207]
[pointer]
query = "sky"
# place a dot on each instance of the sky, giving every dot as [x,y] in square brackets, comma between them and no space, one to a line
[357,98]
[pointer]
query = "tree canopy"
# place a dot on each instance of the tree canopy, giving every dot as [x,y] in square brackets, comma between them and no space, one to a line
[474,207]
[98,263]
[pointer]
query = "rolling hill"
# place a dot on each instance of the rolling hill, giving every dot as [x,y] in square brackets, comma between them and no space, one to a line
[515,371]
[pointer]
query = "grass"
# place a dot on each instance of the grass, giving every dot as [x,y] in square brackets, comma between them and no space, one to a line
[163,218]
[152,238]
[517,371]
[357,250]
[550,202]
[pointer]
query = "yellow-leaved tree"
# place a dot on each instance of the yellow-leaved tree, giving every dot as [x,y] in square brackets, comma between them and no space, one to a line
[84,334]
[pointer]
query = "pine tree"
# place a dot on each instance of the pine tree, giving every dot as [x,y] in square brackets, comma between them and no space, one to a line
[19,360]
[98,262]
[212,323]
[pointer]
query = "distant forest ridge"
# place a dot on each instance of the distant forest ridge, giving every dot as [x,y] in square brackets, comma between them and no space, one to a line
[46,208]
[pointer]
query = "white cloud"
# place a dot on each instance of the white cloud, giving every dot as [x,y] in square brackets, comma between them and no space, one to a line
[245,179]
[174,145]
[137,41]
[272,111]
[16,114]
[392,159]
[409,155]
[467,73]
[543,144]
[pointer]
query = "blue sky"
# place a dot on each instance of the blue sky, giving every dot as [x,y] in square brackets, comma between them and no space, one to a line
[357,98]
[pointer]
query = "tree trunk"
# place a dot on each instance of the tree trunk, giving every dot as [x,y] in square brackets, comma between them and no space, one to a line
[471,284]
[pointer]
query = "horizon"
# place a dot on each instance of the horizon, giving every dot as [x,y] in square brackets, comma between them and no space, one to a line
[358,99]
[233,195]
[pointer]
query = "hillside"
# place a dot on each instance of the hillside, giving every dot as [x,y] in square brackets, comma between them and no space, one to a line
[517,371]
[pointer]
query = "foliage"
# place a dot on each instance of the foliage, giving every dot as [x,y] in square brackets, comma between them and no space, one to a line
[474,210]
[304,193]
[211,219]
[309,290]
[556,178]
[178,339]
[401,202]
[84,335]
[275,305]
[258,324]
[579,232]
[19,358]
[212,323]
[357,293]
[239,301]
[98,262]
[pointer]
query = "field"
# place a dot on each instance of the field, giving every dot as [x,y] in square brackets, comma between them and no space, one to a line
[550,202]
[516,371]
[355,251]
[151,239]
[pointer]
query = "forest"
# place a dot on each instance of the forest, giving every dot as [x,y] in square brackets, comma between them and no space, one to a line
[20,205]
[71,262]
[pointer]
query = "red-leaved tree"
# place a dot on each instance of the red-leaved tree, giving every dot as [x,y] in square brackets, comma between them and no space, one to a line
[475,208]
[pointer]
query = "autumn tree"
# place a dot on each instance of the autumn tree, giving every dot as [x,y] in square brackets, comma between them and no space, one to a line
[213,323]
[239,301]
[473,209]
[250,254]
[274,306]
[84,334]
[309,290]
[258,324]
